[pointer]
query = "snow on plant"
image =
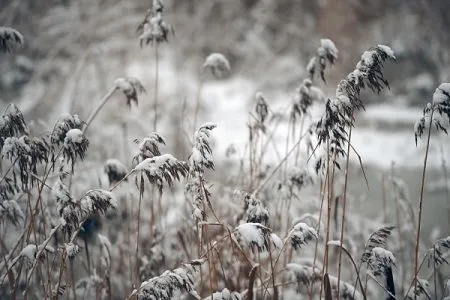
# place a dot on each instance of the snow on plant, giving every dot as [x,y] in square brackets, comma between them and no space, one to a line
[12,124]
[131,87]
[380,260]
[304,274]
[148,147]
[75,145]
[10,39]
[162,168]
[327,53]
[154,28]
[301,234]
[218,64]
[163,287]
[435,112]
[11,211]
[65,123]
[253,235]
[115,170]
[437,254]
[201,156]
[225,294]
[376,239]
[255,211]
[339,111]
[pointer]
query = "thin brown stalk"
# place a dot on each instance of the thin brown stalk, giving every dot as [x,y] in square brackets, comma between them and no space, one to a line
[155,103]
[344,208]
[422,188]
[198,99]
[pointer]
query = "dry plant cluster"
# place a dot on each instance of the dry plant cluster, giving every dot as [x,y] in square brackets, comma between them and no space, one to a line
[163,229]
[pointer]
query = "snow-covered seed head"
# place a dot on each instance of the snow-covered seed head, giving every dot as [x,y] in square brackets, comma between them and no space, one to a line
[12,123]
[423,289]
[256,212]
[153,29]
[115,170]
[225,294]
[218,64]
[160,169]
[301,234]
[10,39]
[62,126]
[11,211]
[304,275]
[148,147]
[326,53]
[97,201]
[376,239]
[253,235]
[131,87]
[380,260]
[165,286]
[437,254]
[437,112]
[75,145]
[201,156]
[262,109]
[72,250]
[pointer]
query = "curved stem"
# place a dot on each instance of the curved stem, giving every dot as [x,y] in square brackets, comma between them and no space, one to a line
[99,107]
[416,257]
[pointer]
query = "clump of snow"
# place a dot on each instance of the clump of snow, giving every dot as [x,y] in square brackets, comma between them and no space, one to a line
[329,47]
[386,49]
[73,136]
[253,234]
[442,94]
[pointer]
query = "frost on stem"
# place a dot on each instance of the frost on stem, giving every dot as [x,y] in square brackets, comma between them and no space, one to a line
[255,211]
[201,156]
[154,29]
[301,234]
[10,39]
[218,64]
[163,287]
[148,147]
[225,294]
[304,275]
[439,108]
[11,211]
[115,170]
[327,53]
[131,87]
[12,124]
[163,168]
[380,261]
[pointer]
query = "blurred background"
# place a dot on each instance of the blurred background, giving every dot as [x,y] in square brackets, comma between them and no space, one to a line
[75,49]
